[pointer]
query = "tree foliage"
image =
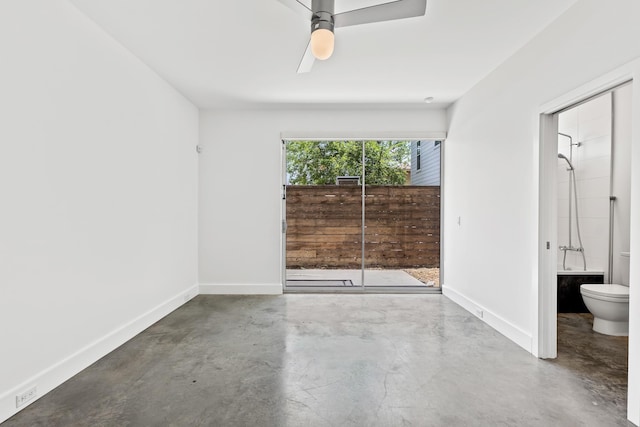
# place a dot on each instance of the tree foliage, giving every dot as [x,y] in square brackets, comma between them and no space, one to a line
[321,162]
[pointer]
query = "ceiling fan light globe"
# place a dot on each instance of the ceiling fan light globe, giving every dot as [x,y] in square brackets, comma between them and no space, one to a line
[322,43]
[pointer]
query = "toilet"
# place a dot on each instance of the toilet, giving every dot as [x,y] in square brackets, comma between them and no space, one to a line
[609,304]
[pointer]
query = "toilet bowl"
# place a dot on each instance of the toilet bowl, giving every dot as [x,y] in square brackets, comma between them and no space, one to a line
[609,305]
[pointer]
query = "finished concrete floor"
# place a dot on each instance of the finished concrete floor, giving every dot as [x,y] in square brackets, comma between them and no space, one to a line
[601,359]
[323,360]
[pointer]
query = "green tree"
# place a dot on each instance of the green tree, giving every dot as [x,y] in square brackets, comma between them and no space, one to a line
[321,162]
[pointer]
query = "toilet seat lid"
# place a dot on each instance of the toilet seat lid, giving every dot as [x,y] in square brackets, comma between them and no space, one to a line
[611,291]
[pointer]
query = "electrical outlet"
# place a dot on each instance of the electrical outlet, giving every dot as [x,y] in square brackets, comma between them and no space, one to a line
[25,397]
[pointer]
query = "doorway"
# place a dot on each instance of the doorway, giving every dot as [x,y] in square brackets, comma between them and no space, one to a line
[544,295]
[361,215]
[553,149]
[593,217]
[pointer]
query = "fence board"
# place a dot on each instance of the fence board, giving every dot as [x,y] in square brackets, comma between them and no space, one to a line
[325,229]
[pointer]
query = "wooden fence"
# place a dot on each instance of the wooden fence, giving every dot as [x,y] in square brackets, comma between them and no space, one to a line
[325,226]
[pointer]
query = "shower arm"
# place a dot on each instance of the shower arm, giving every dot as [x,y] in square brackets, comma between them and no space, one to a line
[567,136]
[577,144]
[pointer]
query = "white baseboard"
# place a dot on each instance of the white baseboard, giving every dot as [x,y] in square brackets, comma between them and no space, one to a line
[506,328]
[61,371]
[241,289]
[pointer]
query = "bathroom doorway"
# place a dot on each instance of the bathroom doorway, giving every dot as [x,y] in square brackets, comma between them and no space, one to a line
[593,235]
[544,285]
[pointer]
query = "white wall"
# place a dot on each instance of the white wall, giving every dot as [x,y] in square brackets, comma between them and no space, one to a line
[589,125]
[241,179]
[98,185]
[491,168]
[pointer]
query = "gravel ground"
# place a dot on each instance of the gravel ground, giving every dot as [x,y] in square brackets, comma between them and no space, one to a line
[426,275]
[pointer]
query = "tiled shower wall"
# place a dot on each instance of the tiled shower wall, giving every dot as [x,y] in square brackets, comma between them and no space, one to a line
[590,125]
[603,129]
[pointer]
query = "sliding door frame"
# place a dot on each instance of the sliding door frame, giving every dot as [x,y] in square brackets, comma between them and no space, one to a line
[362,137]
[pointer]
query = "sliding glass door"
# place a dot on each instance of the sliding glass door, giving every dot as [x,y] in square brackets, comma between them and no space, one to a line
[324,215]
[355,220]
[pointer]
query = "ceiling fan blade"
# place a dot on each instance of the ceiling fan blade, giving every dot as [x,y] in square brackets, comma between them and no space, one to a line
[298,7]
[398,9]
[307,60]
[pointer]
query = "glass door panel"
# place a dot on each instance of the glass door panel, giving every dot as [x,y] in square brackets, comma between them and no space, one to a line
[323,216]
[402,215]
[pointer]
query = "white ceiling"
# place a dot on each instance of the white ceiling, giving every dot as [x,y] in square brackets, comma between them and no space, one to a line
[237,53]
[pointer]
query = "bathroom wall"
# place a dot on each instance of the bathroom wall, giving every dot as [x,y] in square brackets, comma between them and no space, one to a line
[590,125]
[602,163]
[621,181]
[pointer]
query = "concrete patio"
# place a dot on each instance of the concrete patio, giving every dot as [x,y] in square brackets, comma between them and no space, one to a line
[352,278]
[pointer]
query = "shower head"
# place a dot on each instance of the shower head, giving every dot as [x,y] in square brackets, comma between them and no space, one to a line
[562,156]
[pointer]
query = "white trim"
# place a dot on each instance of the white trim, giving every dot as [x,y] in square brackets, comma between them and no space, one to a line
[61,371]
[595,87]
[633,394]
[544,284]
[241,289]
[332,136]
[506,328]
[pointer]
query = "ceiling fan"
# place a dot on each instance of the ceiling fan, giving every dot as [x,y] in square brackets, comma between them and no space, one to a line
[324,20]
